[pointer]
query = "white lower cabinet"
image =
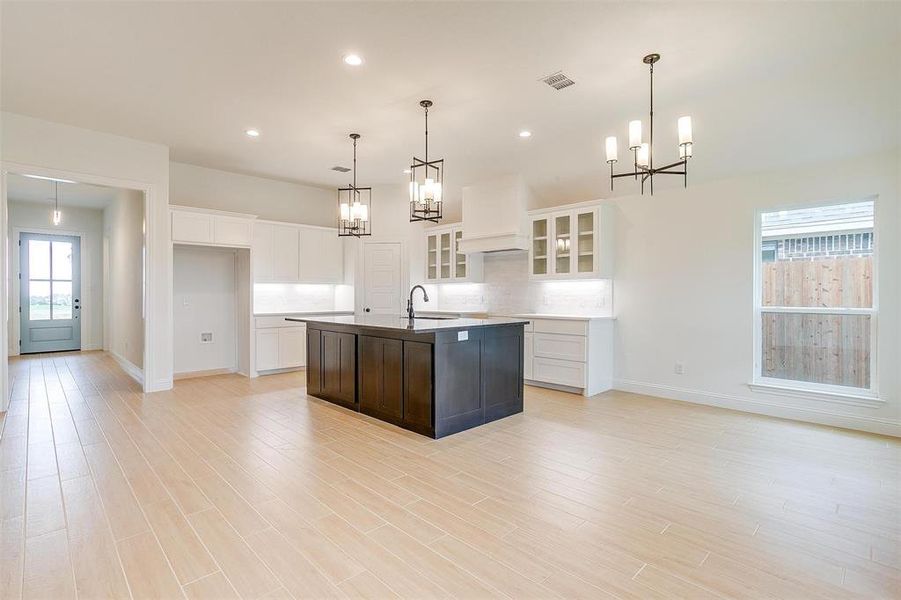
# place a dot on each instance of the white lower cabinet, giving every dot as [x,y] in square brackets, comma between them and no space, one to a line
[574,353]
[280,344]
[528,356]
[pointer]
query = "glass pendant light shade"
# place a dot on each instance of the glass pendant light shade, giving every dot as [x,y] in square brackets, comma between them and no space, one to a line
[354,204]
[644,155]
[57,217]
[611,149]
[426,182]
[684,130]
[634,135]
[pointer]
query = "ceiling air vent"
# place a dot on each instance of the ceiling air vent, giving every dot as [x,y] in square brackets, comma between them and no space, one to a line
[558,80]
[340,169]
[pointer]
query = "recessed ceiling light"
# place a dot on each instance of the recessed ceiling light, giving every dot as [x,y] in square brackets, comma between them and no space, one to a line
[525,134]
[354,60]
[253,132]
[407,171]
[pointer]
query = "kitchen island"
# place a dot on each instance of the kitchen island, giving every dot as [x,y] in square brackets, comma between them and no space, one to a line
[434,376]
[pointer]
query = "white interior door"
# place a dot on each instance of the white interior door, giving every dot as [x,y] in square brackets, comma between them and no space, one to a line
[50,293]
[382,279]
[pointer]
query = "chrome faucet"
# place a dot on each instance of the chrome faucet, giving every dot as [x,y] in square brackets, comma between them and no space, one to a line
[425,296]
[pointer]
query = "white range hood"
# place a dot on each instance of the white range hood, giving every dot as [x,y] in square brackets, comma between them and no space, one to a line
[494,216]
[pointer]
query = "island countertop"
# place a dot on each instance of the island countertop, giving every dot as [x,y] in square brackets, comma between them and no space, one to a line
[418,325]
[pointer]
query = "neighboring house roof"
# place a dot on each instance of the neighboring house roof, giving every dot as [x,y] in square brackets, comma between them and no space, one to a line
[838,218]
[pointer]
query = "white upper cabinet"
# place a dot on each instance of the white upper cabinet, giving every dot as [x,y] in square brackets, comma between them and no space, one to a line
[290,253]
[444,260]
[571,243]
[210,227]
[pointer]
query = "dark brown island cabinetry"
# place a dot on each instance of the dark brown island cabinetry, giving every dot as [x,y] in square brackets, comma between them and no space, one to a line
[432,377]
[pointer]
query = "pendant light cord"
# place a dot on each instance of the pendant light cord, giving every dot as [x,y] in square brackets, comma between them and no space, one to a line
[651,142]
[56,196]
[427,135]
[355,164]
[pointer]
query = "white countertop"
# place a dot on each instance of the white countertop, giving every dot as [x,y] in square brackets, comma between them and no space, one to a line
[562,317]
[303,313]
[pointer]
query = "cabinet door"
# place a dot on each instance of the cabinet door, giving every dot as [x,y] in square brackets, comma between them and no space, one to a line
[460,270]
[262,252]
[538,253]
[381,377]
[527,356]
[339,363]
[192,227]
[445,255]
[314,361]
[267,349]
[586,241]
[231,231]
[562,244]
[431,261]
[321,256]
[292,344]
[285,254]
[418,385]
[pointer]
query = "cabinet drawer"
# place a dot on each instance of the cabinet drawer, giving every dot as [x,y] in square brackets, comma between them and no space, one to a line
[560,326]
[232,232]
[561,372]
[563,347]
[269,322]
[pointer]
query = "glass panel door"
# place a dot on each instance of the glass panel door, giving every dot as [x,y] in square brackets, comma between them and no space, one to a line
[459,257]
[539,246]
[446,255]
[585,222]
[432,257]
[49,294]
[562,244]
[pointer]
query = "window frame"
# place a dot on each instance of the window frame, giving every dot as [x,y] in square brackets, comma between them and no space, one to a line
[802,389]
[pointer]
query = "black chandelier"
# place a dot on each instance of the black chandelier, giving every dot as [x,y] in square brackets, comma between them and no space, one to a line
[643,153]
[354,204]
[426,181]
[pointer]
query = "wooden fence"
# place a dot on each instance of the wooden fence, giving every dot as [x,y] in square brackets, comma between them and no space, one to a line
[833,349]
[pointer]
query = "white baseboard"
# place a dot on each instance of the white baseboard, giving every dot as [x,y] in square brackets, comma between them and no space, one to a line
[772,409]
[129,367]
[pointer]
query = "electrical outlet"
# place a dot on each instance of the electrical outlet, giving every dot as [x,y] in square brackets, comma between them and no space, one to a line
[206,338]
[679,368]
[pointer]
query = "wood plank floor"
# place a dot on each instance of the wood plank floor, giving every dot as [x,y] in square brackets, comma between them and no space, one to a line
[227,488]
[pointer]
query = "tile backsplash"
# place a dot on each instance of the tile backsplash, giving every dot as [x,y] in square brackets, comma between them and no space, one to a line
[506,289]
[278,297]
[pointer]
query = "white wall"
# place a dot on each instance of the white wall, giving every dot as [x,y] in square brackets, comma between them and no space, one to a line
[201,187]
[30,216]
[100,158]
[204,286]
[123,241]
[684,288]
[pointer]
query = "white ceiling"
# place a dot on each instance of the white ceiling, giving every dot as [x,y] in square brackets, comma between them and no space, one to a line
[26,189]
[769,85]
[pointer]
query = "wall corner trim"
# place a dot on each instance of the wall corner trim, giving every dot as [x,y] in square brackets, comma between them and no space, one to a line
[129,367]
[809,415]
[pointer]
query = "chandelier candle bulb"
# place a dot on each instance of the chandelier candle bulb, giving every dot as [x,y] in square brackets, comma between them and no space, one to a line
[684,130]
[685,151]
[345,211]
[634,135]
[611,149]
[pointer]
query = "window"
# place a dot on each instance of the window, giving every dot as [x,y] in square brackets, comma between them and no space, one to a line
[815,311]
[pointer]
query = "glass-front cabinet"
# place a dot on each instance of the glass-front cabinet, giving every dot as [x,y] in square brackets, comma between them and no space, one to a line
[566,243]
[444,261]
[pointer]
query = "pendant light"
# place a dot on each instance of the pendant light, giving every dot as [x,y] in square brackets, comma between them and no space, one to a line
[354,205]
[57,215]
[643,152]
[426,181]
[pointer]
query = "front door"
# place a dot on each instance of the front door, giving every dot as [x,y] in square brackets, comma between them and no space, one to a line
[382,278]
[50,293]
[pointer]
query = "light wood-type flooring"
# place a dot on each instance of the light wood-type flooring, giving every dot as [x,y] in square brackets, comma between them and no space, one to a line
[227,487]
